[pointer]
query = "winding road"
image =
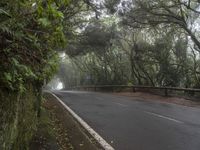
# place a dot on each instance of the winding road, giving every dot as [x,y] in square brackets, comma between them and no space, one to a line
[130,124]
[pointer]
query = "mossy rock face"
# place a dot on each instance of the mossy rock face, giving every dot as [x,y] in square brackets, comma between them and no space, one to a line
[18,119]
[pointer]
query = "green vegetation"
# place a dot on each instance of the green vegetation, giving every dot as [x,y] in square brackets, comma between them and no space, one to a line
[29,35]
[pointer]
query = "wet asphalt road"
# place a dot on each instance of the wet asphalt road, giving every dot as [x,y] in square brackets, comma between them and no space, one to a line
[128,124]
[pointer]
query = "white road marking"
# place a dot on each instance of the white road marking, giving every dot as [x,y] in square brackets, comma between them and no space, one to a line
[164,117]
[121,104]
[93,133]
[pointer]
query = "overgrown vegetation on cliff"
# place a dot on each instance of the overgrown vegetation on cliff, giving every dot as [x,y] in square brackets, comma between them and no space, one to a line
[32,32]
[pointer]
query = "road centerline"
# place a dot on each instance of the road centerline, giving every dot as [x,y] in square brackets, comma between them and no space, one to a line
[164,117]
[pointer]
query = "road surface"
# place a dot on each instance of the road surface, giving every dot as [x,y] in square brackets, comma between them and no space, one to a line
[128,124]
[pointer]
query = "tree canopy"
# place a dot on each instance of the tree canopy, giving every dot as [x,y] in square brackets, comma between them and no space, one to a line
[138,42]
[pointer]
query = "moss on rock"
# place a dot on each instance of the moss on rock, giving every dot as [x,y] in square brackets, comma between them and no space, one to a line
[18,119]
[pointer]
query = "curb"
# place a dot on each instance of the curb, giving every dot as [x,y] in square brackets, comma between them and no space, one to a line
[91,131]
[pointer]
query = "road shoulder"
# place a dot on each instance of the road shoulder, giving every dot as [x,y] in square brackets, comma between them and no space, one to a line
[76,135]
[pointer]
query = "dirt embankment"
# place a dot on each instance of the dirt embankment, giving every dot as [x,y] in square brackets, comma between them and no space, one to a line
[57,130]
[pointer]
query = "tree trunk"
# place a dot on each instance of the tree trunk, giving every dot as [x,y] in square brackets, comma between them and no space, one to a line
[193,37]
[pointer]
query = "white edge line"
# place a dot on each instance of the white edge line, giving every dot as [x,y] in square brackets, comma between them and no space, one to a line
[94,134]
[164,117]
